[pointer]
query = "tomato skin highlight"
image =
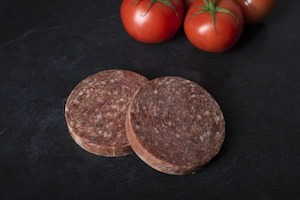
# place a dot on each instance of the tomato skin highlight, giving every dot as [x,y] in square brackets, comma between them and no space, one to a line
[202,33]
[255,11]
[158,24]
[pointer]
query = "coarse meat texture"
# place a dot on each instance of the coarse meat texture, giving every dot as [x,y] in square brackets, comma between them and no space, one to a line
[175,125]
[95,111]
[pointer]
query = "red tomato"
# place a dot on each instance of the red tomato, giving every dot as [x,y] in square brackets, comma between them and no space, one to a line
[152,22]
[214,26]
[256,10]
[187,3]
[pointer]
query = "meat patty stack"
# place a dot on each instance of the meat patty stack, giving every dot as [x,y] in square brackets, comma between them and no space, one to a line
[173,124]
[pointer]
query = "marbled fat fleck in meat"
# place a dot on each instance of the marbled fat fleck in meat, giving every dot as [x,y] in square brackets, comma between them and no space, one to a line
[175,125]
[95,111]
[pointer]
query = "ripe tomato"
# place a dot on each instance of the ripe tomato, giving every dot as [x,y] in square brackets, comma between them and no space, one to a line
[187,3]
[152,21]
[214,26]
[256,10]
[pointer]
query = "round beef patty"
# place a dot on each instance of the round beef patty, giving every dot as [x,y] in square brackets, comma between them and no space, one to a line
[174,125]
[95,111]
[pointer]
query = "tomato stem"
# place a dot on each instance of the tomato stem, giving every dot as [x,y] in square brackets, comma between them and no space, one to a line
[165,2]
[218,9]
[212,9]
[149,6]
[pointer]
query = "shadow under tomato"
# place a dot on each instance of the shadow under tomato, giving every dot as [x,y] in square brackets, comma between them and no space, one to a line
[248,35]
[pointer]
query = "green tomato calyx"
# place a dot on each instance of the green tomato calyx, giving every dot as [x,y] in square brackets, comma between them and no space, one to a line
[165,2]
[212,8]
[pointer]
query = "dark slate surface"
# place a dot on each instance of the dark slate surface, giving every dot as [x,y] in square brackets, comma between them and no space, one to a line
[47,47]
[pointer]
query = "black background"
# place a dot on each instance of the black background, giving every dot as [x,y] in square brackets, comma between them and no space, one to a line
[47,47]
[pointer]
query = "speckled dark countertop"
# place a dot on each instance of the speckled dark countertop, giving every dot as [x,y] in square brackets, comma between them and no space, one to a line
[47,47]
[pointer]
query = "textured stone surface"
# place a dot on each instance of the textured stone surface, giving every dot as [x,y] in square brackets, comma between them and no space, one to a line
[47,47]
